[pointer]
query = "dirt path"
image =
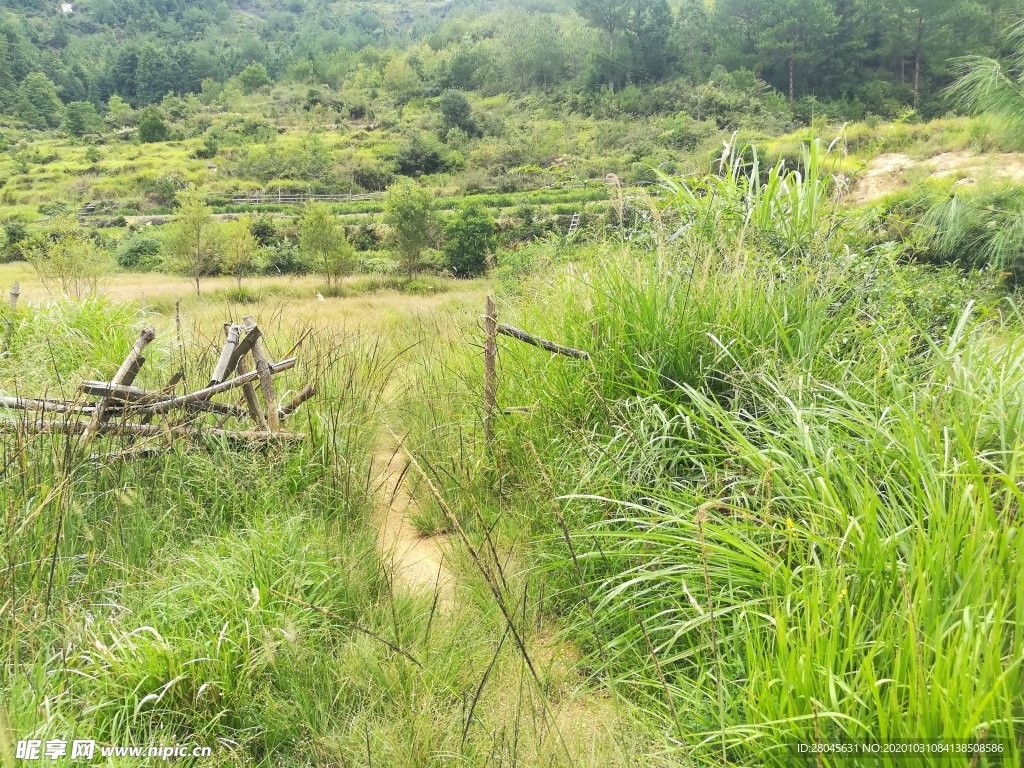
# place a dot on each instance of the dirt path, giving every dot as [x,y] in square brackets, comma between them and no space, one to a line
[561,719]
[417,562]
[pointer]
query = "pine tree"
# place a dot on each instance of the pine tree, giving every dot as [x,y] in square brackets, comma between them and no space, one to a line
[80,118]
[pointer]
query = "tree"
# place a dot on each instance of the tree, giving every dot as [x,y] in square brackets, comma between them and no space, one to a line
[37,102]
[695,35]
[155,75]
[80,118]
[323,246]
[253,78]
[925,15]
[67,259]
[530,49]
[985,85]
[456,112]
[610,16]
[649,31]
[241,251]
[796,30]
[469,239]
[409,212]
[152,128]
[192,247]
[119,112]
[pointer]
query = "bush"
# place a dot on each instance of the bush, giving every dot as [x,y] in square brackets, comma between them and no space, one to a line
[242,295]
[469,240]
[139,252]
[264,230]
[683,132]
[377,264]
[456,112]
[164,189]
[418,288]
[254,78]
[67,261]
[152,128]
[364,237]
[80,118]
[15,238]
[421,154]
[209,148]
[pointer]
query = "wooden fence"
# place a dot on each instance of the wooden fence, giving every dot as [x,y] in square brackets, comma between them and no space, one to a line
[493,329]
[270,198]
[117,407]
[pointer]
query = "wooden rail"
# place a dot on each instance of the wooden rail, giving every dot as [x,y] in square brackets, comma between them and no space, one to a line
[151,430]
[536,341]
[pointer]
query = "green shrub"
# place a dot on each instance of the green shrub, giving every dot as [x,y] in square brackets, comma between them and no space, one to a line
[139,252]
[457,113]
[418,288]
[209,148]
[421,154]
[152,128]
[15,237]
[242,295]
[378,264]
[469,240]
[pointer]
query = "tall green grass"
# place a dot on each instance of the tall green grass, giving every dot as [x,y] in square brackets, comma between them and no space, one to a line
[780,502]
[790,210]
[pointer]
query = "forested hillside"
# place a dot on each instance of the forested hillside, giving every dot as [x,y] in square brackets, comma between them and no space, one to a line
[849,57]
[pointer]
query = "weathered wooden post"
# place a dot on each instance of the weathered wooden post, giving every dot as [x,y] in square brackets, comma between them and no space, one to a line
[266,377]
[249,391]
[490,369]
[125,375]
[221,372]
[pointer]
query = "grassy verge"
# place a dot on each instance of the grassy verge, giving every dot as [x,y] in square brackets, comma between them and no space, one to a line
[780,502]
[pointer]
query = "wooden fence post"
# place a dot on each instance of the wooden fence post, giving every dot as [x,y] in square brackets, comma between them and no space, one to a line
[249,392]
[265,376]
[125,375]
[490,369]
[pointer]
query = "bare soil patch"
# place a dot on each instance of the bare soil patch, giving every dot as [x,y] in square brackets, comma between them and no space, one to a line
[888,173]
[418,563]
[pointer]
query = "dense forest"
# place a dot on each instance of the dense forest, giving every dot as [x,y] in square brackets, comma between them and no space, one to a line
[849,58]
